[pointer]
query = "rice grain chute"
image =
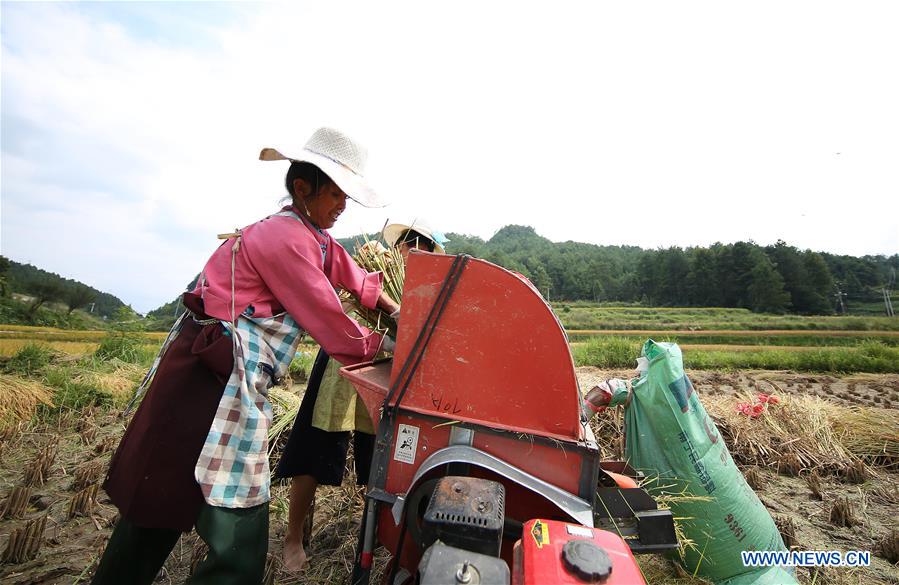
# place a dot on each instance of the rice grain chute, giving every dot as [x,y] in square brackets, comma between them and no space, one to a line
[481,399]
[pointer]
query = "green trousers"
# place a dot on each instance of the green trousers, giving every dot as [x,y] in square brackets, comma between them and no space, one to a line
[237,540]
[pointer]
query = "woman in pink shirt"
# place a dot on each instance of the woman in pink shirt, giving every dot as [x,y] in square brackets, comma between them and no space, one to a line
[195,452]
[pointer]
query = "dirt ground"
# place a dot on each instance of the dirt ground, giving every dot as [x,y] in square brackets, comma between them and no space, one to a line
[71,545]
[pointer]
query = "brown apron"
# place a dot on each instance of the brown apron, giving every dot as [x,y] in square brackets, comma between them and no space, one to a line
[151,475]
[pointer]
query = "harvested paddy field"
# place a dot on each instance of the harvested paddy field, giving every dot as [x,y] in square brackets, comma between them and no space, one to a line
[71,450]
[824,463]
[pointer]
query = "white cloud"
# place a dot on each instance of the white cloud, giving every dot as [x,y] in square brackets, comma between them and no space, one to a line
[614,124]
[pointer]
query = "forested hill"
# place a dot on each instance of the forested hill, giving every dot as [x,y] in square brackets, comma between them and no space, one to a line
[46,287]
[777,278]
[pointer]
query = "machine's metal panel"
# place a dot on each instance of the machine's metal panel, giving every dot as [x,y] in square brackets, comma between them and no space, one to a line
[498,356]
[578,509]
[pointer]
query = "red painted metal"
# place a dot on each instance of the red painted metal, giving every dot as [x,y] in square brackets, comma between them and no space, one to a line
[538,555]
[499,356]
[556,463]
[498,361]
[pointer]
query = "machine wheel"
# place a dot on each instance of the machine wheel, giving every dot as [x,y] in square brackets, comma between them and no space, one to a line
[416,505]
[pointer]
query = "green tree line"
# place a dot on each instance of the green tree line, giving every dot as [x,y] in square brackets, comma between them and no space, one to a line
[44,287]
[778,278]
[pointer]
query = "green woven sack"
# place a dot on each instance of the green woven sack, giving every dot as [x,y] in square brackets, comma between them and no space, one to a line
[670,436]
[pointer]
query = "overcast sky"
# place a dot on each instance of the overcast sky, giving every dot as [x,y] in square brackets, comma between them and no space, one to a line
[130,131]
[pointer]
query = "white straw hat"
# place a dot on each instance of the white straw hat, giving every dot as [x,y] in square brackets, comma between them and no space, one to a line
[340,157]
[394,231]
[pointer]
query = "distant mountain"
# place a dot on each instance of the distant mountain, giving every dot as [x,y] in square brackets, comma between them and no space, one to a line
[350,243]
[776,278]
[29,280]
[162,318]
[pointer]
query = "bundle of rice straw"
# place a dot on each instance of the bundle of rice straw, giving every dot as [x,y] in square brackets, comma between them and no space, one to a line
[869,433]
[20,397]
[118,383]
[372,256]
[285,406]
[801,427]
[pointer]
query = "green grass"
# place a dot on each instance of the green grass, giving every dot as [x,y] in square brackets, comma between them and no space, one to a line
[872,357]
[301,366]
[51,334]
[869,356]
[749,338]
[99,379]
[709,318]
[30,360]
[72,395]
[126,347]
[608,352]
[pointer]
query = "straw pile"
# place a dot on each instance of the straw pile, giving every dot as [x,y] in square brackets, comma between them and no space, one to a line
[372,256]
[285,406]
[20,397]
[608,429]
[807,432]
[870,433]
[799,434]
[791,436]
[119,383]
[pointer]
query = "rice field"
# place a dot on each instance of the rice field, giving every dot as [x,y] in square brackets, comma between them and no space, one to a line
[729,339]
[9,347]
[807,347]
[61,393]
[72,342]
[735,337]
[847,453]
[54,334]
[599,317]
[862,356]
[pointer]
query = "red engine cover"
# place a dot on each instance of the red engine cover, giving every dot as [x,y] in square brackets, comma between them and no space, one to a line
[538,555]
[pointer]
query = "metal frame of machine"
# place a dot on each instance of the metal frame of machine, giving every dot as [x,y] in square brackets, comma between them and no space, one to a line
[482,384]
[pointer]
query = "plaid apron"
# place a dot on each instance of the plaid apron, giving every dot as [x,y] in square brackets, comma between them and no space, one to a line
[232,469]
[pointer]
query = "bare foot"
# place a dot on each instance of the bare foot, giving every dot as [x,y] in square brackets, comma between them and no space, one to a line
[294,556]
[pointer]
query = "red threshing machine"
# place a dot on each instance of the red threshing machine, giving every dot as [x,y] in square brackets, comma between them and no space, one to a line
[485,470]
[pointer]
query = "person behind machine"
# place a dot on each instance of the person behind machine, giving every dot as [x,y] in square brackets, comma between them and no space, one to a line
[417,236]
[195,455]
[316,450]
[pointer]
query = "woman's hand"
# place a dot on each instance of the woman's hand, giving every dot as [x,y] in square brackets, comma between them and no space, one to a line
[387,304]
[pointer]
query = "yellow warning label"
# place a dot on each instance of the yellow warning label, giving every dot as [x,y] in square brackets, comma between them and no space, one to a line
[540,532]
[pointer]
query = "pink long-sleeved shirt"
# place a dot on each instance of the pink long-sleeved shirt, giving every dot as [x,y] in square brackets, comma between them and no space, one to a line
[279,266]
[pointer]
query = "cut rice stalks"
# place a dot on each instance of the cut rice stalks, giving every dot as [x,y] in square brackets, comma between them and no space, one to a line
[372,256]
[285,407]
[870,433]
[36,473]
[82,503]
[86,474]
[119,382]
[888,547]
[800,433]
[16,502]
[20,398]
[25,542]
[665,494]
[806,432]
